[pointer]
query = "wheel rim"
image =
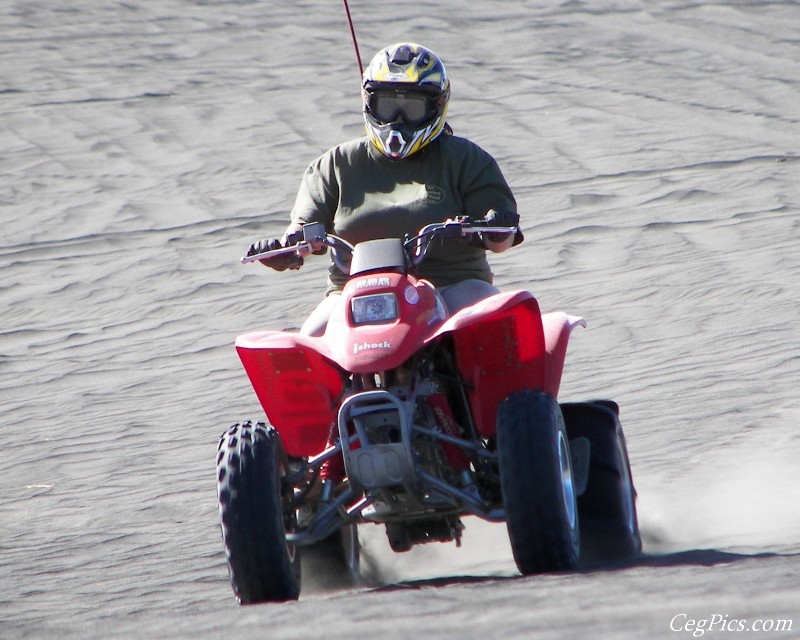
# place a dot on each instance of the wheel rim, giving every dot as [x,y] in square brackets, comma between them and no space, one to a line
[567,486]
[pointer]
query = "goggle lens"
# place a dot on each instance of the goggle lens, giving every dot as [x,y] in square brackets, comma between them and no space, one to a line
[388,106]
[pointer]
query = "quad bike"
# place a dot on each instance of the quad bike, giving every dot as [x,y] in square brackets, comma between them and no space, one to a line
[404,416]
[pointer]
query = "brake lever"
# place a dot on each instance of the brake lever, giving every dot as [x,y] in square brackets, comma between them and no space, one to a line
[301,249]
[487,229]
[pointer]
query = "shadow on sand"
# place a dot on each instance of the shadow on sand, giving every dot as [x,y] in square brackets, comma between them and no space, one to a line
[687,558]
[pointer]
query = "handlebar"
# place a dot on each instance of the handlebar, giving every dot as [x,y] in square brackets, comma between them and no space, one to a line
[313,238]
[460,227]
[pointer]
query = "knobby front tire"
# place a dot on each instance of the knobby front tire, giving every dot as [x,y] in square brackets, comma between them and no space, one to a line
[255,515]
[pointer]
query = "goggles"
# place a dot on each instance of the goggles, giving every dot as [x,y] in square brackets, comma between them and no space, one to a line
[390,105]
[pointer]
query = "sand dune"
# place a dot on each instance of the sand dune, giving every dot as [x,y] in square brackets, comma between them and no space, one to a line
[653,148]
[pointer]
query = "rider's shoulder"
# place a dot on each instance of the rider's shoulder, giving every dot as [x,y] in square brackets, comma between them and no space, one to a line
[343,153]
[349,150]
[463,148]
[356,145]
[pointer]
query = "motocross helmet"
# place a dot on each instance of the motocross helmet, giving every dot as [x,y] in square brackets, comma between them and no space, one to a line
[405,91]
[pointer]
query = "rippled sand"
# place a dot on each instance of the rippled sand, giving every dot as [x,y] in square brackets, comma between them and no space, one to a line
[653,148]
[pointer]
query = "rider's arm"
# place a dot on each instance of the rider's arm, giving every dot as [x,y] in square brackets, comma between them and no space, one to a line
[486,190]
[499,247]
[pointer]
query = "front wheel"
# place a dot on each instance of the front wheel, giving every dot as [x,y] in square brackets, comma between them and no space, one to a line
[255,514]
[536,483]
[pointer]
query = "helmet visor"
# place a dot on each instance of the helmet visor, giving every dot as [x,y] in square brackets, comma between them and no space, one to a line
[389,105]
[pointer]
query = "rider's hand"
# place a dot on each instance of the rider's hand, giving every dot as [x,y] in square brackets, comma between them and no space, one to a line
[502,218]
[280,262]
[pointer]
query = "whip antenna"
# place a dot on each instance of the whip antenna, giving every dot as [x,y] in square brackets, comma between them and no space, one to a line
[353,36]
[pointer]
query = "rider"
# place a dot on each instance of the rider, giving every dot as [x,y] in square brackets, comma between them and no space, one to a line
[409,171]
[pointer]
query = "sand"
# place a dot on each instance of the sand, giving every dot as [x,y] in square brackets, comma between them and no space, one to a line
[653,148]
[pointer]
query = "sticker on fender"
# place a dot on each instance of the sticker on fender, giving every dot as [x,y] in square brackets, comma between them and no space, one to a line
[368,346]
[373,282]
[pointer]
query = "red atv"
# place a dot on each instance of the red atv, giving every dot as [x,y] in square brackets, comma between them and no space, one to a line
[406,417]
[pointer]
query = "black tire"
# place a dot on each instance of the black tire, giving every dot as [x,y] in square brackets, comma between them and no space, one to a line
[536,483]
[334,563]
[607,509]
[252,505]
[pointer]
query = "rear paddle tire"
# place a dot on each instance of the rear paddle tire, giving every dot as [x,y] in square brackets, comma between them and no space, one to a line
[609,521]
[536,483]
[255,513]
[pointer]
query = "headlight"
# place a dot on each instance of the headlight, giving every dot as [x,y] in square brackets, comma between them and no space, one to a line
[381,307]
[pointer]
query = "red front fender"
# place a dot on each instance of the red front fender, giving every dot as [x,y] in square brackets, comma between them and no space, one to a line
[557,327]
[297,385]
[504,344]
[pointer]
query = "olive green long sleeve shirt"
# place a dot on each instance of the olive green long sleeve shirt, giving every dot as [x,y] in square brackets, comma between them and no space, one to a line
[359,194]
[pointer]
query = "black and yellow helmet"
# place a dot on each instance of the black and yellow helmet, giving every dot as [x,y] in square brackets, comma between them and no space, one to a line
[405,90]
